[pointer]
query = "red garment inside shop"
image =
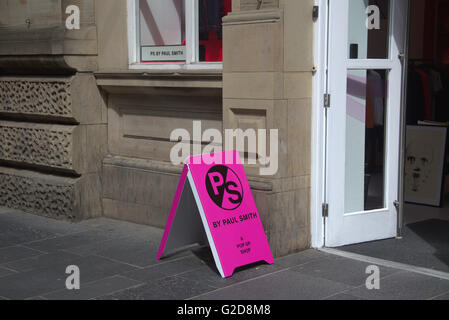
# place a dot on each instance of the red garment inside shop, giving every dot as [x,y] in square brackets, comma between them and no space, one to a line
[211,33]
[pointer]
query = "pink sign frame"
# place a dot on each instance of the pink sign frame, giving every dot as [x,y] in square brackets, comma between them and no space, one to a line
[227,209]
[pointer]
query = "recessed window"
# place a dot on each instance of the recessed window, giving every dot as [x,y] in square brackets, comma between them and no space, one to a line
[180,31]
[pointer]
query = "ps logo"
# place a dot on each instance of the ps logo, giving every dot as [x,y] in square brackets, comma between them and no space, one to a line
[224,187]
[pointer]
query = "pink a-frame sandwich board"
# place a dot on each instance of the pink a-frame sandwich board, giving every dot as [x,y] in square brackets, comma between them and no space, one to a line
[214,204]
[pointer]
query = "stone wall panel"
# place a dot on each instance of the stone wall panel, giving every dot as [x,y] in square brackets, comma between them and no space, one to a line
[31,192]
[38,144]
[75,100]
[50,196]
[47,98]
[277,82]
[74,150]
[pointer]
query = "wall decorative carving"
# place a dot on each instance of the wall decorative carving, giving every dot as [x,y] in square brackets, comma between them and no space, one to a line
[52,98]
[37,146]
[37,196]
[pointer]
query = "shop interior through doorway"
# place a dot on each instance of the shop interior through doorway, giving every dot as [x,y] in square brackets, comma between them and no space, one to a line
[424,238]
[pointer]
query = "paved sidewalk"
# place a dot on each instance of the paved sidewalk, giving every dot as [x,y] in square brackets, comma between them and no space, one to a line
[117,261]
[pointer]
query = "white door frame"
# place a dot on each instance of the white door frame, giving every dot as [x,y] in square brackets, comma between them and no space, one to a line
[318,125]
[318,194]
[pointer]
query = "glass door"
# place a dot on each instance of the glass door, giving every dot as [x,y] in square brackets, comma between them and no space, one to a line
[366,40]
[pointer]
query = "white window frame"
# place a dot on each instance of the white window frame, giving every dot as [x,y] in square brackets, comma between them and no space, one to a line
[192,38]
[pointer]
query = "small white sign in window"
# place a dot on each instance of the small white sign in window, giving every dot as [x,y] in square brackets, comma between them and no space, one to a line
[163,53]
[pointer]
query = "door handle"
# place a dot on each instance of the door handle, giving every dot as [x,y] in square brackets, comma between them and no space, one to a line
[397,204]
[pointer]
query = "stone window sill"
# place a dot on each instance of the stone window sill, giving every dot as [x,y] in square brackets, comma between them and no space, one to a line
[130,81]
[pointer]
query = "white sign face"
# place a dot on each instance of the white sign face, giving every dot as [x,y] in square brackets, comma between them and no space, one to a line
[163,53]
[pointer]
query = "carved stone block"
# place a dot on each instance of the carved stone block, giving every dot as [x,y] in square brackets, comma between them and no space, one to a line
[73,99]
[62,198]
[73,149]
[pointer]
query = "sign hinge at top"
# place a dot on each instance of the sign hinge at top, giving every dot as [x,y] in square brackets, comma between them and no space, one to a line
[327,100]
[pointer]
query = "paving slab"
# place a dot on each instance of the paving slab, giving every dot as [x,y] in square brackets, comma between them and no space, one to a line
[42,261]
[211,276]
[296,259]
[14,253]
[341,270]
[132,250]
[19,228]
[66,242]
[14,233]
[284,285]
[5,272]
[94,289]
[125,229]
[38,298]
[162,289]
[42,281]
[163,270]
[343,297]
[404,286]
[444,296]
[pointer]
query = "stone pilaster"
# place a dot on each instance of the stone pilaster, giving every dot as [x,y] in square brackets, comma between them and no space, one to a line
[54,136]
[53,118]
[267,84]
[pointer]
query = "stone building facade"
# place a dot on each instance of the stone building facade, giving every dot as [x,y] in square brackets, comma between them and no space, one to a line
[84,134]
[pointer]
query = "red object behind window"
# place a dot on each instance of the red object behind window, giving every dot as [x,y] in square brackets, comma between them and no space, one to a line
[214,46]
